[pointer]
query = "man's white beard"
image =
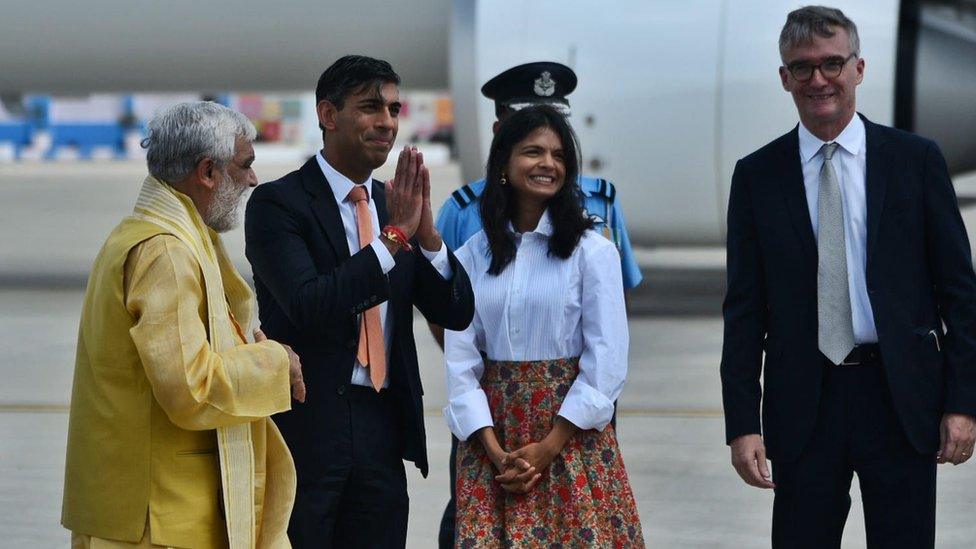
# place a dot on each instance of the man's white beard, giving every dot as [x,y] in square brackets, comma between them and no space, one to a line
[224,213]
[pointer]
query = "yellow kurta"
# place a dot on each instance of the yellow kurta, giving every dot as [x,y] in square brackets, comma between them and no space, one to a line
[149,391]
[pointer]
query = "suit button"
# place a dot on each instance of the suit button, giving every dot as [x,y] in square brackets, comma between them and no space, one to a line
[341,390]
[351,344]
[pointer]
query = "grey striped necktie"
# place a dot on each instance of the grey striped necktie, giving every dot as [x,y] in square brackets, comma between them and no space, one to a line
[835,326]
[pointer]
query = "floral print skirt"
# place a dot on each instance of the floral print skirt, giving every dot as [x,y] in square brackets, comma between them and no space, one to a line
[583,498]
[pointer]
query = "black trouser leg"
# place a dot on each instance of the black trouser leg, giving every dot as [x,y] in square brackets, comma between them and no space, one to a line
[316,508]
[897,483]
[322,476]
[446,537]
[899,503]
[357,497]
[813,493]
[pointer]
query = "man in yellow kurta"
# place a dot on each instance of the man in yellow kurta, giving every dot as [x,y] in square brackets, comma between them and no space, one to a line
[169,441]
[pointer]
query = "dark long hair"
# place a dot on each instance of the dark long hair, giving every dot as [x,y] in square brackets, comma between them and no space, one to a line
[499,203]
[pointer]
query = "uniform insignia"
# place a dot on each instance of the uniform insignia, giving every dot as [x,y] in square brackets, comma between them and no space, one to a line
[464,196]
[544,86]
[607,190]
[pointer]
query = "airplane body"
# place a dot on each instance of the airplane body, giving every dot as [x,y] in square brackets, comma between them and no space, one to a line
[671,92]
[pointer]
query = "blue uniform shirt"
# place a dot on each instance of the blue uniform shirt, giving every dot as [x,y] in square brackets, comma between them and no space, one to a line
[460,218]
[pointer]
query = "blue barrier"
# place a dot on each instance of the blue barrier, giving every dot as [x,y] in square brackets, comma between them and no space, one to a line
[86,137]
[18,133]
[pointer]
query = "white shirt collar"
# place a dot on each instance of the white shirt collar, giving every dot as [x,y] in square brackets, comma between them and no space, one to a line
[341,185]
[544,227]
[851,139]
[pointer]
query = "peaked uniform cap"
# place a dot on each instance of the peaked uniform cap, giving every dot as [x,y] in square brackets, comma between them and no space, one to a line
[530,84]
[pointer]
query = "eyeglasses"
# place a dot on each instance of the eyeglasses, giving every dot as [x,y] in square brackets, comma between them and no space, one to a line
[830,68]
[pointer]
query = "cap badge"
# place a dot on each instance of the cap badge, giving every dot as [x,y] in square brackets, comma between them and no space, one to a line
[545,86]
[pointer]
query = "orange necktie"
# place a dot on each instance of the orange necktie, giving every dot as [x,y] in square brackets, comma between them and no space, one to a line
[372,348]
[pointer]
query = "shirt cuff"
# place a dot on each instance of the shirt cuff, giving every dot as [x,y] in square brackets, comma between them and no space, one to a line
[586,408]
[439,261]
[467,413]
[386,260]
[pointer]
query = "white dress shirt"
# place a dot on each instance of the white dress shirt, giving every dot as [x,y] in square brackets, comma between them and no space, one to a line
[341,186]
[850,162]
[541,307]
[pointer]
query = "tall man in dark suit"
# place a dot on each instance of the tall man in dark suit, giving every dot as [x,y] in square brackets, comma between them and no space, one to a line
[340,290]
[849,265]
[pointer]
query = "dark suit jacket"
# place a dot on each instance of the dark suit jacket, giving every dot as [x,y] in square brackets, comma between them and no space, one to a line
[309,291]
[920,283]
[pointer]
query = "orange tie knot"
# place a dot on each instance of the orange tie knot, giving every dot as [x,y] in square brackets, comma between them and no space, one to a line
[358,194]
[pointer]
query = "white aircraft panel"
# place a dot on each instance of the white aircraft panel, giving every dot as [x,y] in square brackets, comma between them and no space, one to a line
[645,105]
[87,109]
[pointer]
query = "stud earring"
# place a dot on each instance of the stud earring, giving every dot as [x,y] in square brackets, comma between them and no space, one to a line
[503,180]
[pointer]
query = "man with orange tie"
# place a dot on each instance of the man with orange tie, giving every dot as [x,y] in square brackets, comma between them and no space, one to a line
[339,262]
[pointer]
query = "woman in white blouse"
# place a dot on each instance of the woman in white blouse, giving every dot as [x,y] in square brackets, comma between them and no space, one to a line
[532,381]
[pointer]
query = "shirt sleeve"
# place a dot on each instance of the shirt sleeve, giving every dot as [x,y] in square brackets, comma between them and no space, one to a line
[438,259]
[632,276]
[197,387]
[603,363]
[383,255]
[467,408]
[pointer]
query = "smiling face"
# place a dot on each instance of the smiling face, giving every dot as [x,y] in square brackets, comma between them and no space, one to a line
[824,102]
[536,169]
[362,132]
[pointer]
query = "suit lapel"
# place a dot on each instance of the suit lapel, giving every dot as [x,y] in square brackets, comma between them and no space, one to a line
[875,181]
[325,208]
[794,190]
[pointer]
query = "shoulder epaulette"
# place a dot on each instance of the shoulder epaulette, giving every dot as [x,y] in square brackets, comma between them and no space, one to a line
[607,190]
[464,196]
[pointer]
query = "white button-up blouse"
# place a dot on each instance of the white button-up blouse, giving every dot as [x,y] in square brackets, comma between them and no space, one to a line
[541,307]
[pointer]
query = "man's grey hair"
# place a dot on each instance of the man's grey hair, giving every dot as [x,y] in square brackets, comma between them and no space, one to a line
[808,22]
[179,137]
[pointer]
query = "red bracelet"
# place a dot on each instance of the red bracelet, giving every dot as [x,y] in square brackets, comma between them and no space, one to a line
[395,235]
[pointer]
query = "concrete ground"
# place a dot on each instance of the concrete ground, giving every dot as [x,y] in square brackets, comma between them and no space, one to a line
[54,217]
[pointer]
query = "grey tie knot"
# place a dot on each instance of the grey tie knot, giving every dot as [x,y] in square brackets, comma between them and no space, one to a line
[828,150]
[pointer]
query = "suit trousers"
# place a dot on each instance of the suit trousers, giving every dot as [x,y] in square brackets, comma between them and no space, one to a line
[358,496]
[445,537]
[857,431]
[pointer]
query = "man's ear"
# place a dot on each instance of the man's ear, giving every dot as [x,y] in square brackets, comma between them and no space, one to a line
[784,76]
[327,114]
[206,173]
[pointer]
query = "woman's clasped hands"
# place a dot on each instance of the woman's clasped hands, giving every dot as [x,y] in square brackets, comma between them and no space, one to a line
[522,469]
